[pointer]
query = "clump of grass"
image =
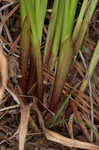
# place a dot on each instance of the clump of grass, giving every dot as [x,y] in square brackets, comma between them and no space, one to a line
[71,40]
[64,38]
[34,11]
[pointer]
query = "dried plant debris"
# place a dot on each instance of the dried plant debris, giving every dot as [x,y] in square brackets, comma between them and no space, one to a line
[13,69]
[3,73]
[25,127]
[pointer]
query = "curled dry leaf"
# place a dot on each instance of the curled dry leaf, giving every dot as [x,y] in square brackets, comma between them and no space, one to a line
[3,73]
[13,68]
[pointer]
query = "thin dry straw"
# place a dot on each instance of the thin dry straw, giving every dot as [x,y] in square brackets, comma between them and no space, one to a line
[90,93]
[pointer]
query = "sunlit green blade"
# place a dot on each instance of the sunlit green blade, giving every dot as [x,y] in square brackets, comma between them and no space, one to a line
[85,24]
[65,20]
[66,51]
[50,34]
[79,21]
[71,15]
[91,68]
[23,10]
[43,6]
[57,37]
[37,17]
[30,6]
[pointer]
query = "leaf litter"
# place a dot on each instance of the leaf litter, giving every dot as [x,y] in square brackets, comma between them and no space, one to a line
[21,126]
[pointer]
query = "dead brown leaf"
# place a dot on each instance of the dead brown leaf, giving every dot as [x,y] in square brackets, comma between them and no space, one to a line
[25,113]
[78,116]
[55,137]
[70,126]
[3,73]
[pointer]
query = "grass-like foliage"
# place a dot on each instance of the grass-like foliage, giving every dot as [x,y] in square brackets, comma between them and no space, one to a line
[91,68]
[64,38]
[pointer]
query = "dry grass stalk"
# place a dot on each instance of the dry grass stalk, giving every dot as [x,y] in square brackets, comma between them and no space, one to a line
[25,113]
[55,137]
[70,126]
[10,14]
[3,73]
[78,116]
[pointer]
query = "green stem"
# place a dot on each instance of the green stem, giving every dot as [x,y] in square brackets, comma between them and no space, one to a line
[65,60]
[57,37]
[79,21]
[91,68]
[42,15]
[23,11]
[36,46]
[85,24]
[25,44]
[66,51]
[50,34]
